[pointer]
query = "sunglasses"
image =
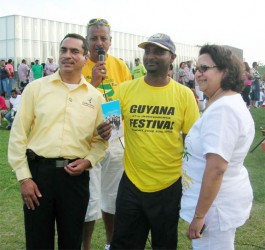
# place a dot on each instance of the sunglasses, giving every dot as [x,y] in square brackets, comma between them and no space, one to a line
[98,21]
[204,68]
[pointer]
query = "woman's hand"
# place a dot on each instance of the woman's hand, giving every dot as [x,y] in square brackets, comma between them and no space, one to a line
[195,228]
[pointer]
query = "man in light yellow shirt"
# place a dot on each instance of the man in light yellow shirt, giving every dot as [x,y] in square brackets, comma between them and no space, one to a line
[52,146]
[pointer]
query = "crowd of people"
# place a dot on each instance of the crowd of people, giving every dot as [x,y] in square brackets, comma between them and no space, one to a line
[172,162]
[252,91]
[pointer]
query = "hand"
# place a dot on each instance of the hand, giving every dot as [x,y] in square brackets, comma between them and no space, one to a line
[195,229]
[78,167]
[30,193]
[99,72]
[104,130]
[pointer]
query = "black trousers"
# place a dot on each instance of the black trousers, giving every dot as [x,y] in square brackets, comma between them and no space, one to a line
[64,201]
[138,212]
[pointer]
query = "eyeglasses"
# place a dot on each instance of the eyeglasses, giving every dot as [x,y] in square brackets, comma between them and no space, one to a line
[204,68]
[98,21]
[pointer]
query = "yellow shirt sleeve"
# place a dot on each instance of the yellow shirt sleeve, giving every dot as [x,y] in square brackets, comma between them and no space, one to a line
[54,121]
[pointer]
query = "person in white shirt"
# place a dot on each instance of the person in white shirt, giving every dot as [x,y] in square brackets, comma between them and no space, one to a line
[14,105]
[217,194]
[189,75]
[50,67]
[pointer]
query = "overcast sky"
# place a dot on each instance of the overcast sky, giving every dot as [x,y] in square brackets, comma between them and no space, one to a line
[229,22]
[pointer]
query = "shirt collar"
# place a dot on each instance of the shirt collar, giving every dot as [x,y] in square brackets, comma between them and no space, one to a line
[57,78]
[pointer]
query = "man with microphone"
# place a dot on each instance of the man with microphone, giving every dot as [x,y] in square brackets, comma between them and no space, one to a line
[104,72]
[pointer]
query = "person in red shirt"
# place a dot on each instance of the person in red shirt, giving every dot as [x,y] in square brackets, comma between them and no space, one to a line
[10,77]
[3,108]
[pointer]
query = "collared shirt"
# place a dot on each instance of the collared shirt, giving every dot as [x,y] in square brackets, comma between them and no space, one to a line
[50,68]
[55,121]
[189,76]
[23,70]
[11,70]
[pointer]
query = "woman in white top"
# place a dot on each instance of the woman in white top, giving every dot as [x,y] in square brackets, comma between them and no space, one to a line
[217,193]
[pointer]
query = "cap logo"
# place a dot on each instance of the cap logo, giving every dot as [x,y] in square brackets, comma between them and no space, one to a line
[157,36]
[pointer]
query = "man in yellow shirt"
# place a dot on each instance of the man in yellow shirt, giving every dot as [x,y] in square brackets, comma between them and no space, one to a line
[158,112]
[105,75]
[51,147]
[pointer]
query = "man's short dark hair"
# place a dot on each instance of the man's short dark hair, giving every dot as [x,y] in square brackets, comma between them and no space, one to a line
[9,61]
[14,91]
[77,36]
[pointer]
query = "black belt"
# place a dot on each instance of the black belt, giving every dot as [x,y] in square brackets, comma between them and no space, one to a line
[59,162]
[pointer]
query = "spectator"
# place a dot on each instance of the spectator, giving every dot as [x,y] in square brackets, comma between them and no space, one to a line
[14,105]
[51,148]
[23,74]
[247,84]
[189,75]
[50,67]
[261,97]
[31,77]
[255,87]
[37,70]
[216,189]
[3,109]
[157,113]
[105,177]
[138,70]
[4,74]
[182,73]
[10,77]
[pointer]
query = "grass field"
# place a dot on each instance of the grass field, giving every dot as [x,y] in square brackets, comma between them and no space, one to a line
[249,237]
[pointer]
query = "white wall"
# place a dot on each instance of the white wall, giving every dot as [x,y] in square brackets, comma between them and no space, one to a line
[33,38]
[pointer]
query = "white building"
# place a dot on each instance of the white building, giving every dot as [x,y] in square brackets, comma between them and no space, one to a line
[31,38]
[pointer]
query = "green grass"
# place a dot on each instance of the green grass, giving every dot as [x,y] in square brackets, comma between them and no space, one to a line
[249,237]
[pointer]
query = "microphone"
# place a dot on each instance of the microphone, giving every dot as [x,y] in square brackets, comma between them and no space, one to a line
[101,54]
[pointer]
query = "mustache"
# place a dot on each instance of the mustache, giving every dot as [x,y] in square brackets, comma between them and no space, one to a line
[67,61]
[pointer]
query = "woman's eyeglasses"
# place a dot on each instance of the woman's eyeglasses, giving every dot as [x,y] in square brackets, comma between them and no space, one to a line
[204,68]
[98,21]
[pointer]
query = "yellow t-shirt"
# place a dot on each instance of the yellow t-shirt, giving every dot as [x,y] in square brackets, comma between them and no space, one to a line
[154,119]
[117,72]
[138,71]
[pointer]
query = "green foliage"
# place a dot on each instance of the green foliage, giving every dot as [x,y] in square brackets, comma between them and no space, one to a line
[250,236]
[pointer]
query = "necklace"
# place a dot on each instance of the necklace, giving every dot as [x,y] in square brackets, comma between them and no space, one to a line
[218,94]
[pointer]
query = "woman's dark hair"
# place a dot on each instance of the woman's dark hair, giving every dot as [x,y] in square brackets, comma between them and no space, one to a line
[226,61]
[181,64]
[77,36]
